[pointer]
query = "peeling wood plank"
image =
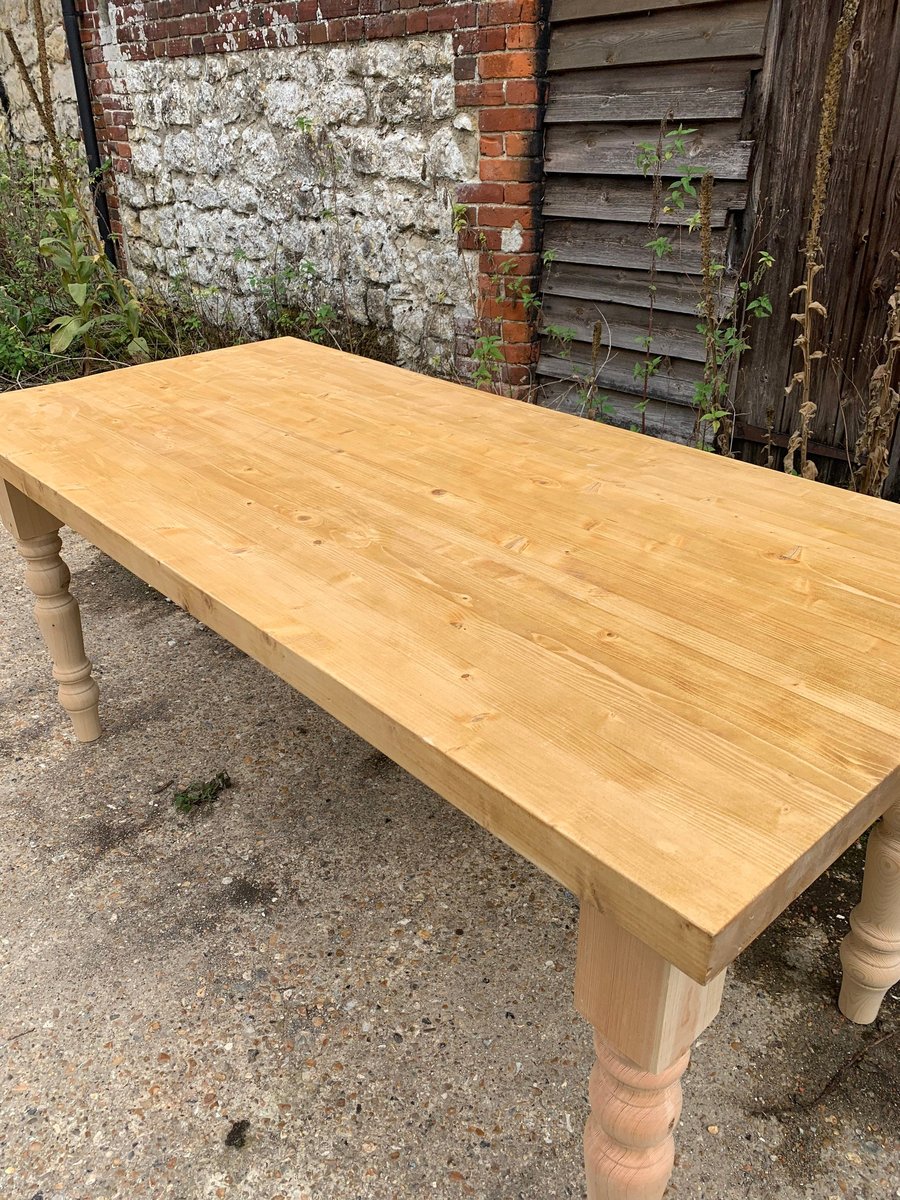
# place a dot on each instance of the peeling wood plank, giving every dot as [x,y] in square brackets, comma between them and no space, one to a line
[714,31]
[752,433]
[615,244]
[617,286]
[674,422]
[674,383]
[599,149]
[579,10]
[724,74]
[678,104]
[674,334]
[599,198]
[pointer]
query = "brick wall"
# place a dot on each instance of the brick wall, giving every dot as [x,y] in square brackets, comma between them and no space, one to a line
[498,66]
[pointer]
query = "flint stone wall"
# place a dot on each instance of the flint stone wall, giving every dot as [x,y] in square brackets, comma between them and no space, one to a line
[343,157]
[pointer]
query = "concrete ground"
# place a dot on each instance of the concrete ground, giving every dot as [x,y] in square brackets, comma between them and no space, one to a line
[334,955]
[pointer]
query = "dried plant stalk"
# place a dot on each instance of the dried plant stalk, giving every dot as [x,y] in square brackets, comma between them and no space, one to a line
[35,99]
[709,311]
[799,439]
[596,348]
[873,448]
[44,109]
[40,30]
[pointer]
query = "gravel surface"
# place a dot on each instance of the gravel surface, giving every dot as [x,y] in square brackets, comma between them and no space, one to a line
[327,982]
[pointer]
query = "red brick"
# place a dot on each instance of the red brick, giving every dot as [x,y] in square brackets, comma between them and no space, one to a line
[491,146]
[466,68]
[480,41]
[508,12]
[521,193]
[479,239]
[529,266]
[517,352]
[523,145]
[521,37]
[505,216]
[479,95]
[515,64]
[517,376]
[495,308]
[444,18]
[523,91]
[513,170]
[518,331]
[504,119]
[481,193]
[386,25]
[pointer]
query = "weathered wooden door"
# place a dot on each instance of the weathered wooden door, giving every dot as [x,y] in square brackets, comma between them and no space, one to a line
[860,230]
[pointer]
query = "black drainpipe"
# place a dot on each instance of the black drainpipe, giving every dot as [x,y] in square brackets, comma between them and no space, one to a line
[88,128]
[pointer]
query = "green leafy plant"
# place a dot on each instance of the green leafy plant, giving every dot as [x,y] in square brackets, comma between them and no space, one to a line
[594,403]
[490,290]
[562,335]
[726,313]
[101,312]
[661,246]
[292,299]
[64,309]
[198,792]
[487,351]
[509,285]
[104,314]
[597,406]
[726,317]
[653,158]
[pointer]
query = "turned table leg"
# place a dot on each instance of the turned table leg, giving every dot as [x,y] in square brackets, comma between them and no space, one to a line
[646,1014]
[37,537]
[870,953]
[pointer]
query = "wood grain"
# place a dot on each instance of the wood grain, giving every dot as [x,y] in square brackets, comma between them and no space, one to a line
[638,1003]
[729,29]
[576,10]
[608,149]
[624,327]
[607,198]
[604,103]
[622,244]
[861,227]
[696,77]
[673,383]
[682,103]
[675,422]
[870,953]
[516,606]
[674,293]
[36,533]
[646,1015]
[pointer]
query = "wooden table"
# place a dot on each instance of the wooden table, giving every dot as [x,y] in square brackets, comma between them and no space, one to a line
[670,680]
